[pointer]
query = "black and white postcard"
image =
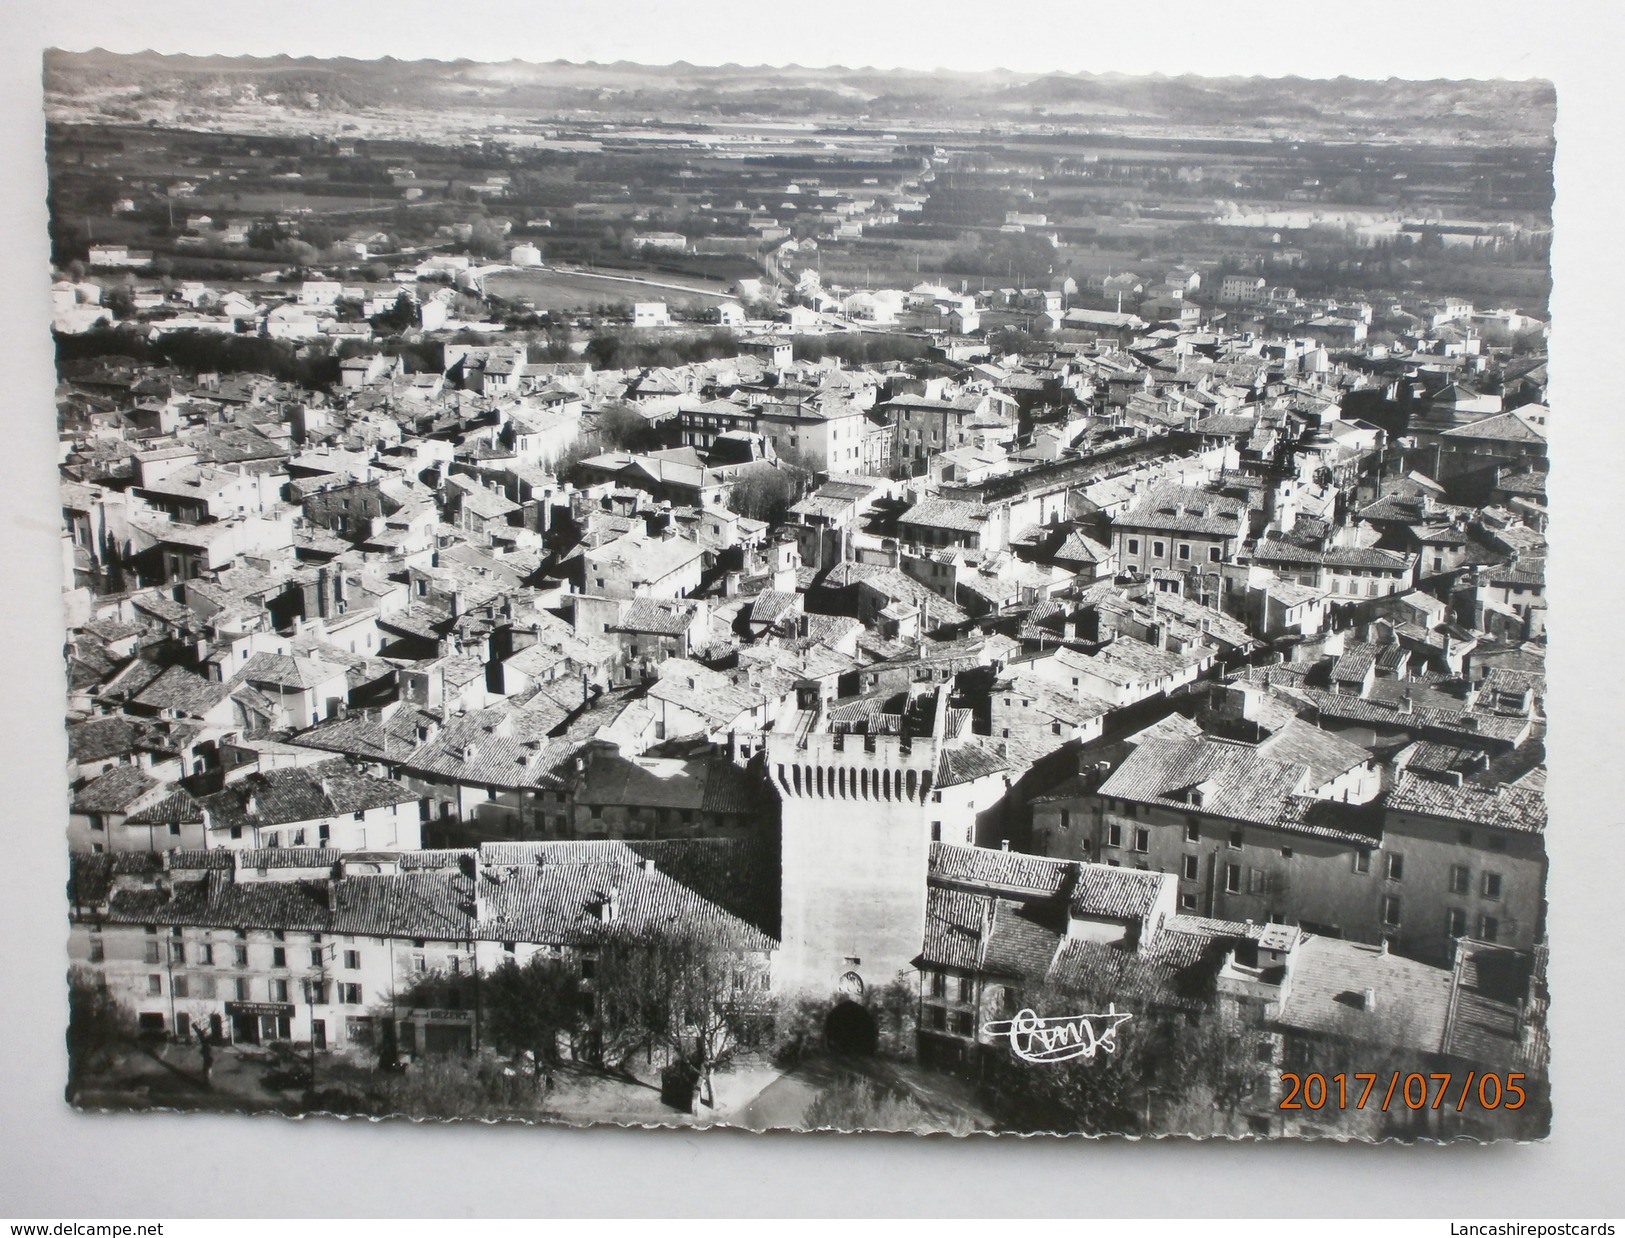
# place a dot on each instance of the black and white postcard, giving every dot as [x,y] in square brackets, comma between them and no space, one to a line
[705,595]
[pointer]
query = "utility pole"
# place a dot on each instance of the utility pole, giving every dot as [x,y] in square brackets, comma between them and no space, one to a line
[314,989]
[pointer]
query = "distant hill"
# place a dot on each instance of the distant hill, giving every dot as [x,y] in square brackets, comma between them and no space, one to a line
[1513,111]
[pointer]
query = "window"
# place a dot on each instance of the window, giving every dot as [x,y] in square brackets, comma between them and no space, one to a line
[1232,878]
[151,955]
[1114,836]
[1142,840]
[1193,868]
[177,952]
[1185,551]
[205,954]
[1460,878]
[1456,923]
[181,987]
[1193,830]
[350,994]
[155,985]
[1395,868]
[1134,545]
[279,990]
[1390,911]
[939,984]
[1491,887]
[1286,853]
[1362,862]
[1255,881]
[1187,902]
[97,952]
[243,990]
[1235,840]
[1066,819]
[279,956]
[1212,554]
[1488,928]
[242,956]
[961,1023]
[352,960]
[967,989]
[1158,549]
[316,958]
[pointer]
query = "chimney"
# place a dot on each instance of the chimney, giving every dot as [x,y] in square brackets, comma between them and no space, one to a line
[482,911]
[1368,999]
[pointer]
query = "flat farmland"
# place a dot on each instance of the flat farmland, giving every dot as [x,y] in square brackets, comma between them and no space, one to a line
[550,289]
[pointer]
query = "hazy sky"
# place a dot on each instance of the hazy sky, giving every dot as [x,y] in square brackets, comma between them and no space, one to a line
[1367,40]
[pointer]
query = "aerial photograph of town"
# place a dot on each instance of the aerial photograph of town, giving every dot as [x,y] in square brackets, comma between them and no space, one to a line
[804,598]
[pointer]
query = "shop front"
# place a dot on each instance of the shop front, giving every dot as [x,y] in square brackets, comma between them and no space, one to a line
[256,1023]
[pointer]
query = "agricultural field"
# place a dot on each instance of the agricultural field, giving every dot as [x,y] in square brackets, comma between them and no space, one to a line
[557,290]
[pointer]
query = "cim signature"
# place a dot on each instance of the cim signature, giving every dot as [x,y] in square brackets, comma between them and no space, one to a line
[1060,1038]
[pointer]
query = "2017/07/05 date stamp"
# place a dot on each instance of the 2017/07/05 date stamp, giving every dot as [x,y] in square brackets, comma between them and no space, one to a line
[1490,1090]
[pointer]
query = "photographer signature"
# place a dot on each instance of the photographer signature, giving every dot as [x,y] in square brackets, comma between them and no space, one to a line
[1060,1038]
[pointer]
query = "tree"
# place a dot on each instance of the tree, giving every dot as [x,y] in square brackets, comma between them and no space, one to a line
[398,317]
[621,427]
[120,299]
[767,492]
[98,1027]
[680,987]
[489,238]
[528,1008]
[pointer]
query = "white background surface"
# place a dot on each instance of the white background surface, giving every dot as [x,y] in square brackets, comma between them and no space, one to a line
[60,1165]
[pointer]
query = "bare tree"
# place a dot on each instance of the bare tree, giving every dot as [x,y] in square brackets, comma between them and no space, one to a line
[678,987]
